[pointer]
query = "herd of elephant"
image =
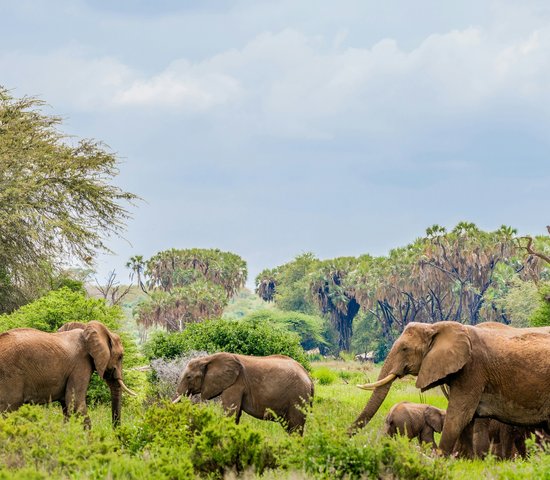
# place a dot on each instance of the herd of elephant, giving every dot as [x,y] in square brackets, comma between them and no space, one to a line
[496,379]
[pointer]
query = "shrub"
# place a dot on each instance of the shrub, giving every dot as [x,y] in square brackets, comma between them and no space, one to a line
[308,327]
[327,455]
[324,375]
[541,316]
[247,337]
[211,442]
[57,307]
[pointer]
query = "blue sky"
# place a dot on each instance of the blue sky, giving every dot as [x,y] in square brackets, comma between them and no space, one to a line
[272,128]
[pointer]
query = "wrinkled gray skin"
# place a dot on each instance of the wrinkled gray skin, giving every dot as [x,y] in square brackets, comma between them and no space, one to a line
[39,367]
[415,420]
[260,386]
[498,373]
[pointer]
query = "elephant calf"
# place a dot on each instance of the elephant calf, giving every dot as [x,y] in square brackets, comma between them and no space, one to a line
[268,388]
[415,420]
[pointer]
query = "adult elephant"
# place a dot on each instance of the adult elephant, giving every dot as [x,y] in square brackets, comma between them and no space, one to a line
[491,372]
[39,367]
[268,388]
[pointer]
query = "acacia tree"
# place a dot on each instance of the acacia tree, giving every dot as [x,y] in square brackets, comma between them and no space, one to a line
[188,286]
[56,198]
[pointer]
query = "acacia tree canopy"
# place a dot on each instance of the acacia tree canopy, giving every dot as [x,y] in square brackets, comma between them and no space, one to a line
[57,200]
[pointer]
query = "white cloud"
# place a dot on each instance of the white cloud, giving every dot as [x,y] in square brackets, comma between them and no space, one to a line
[181,86]
[65,78]
[292,84]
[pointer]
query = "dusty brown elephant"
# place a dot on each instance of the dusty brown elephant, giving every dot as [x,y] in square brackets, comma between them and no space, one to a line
[500,439]
[490,372]
[39,367]
[260,386]
[415,420]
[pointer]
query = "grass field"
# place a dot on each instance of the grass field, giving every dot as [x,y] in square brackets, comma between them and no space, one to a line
[186,441]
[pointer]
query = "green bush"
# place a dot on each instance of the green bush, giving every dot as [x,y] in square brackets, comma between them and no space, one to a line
[57,307]
[247,337]
[324,375]
[405,460]
[208,442]
[308,327]
[541,316]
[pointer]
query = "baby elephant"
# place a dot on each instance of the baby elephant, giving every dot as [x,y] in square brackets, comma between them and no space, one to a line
[415,420]
[268,388]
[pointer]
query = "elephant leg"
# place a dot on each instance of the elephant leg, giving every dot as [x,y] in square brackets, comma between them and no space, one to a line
[232,398]
[460,413]
[519,442]
[295,421]
[474,439]
[427,436]
[64,409]
[75,401]
[507,434]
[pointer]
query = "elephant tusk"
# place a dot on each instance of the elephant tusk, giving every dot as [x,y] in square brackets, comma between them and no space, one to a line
[371,386]
[126,389]
[177,399]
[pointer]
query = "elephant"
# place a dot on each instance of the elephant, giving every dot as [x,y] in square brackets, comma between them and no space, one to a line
[499,373]
[501,439]
[415,420]
[39,367]
[268,388]
[421,421]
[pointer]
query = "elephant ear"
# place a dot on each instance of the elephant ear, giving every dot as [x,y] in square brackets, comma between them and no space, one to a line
[435,418]
[220,373]
[449,351]
[98,345]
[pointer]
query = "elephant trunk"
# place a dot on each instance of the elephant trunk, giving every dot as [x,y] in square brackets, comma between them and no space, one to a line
[374,402]
[116,402]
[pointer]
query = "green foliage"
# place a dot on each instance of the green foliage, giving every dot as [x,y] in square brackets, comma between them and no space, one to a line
[292,291]
[324,375]
[187,285]
[56,197]
[327,453]
[519,301]
[308,327]
[57,307]
[247,337]
[243,304]
[209,442]
[541,316]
